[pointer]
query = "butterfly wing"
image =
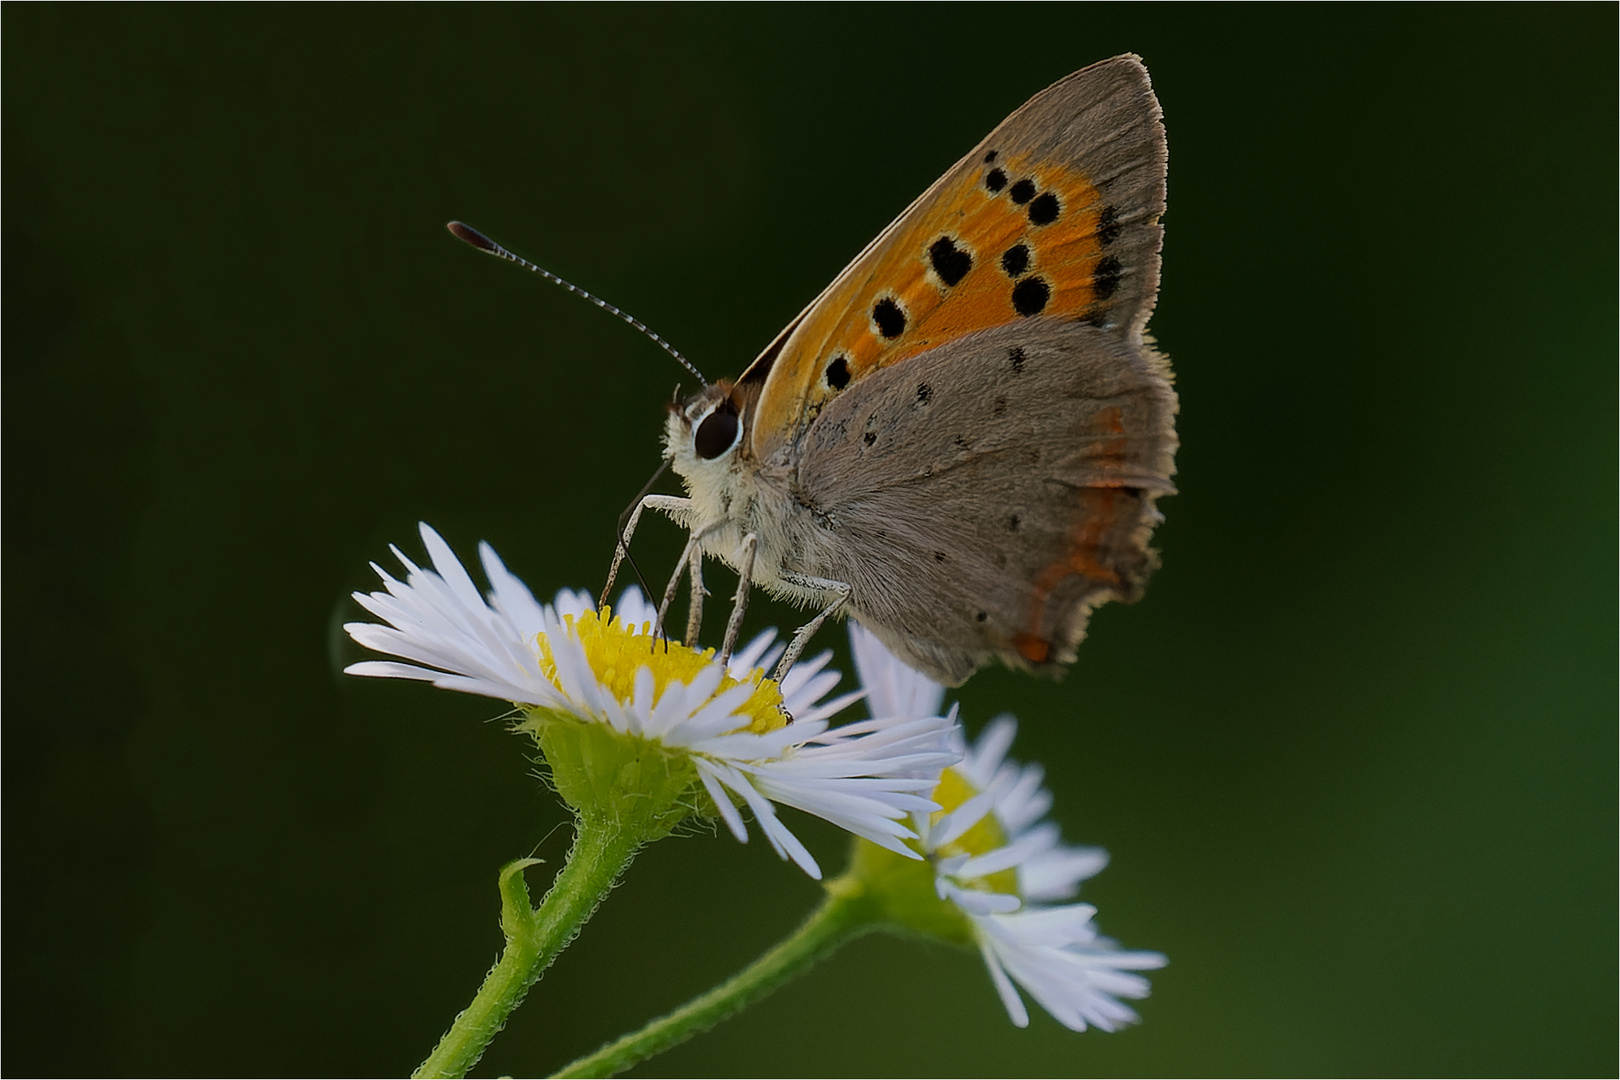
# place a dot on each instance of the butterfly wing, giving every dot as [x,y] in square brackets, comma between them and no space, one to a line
[1055,215]
[971,412]
[984,496]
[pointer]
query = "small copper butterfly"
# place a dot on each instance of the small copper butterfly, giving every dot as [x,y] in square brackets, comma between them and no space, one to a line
[960,442]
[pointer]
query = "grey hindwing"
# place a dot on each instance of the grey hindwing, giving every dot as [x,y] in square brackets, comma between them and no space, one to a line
[998,486]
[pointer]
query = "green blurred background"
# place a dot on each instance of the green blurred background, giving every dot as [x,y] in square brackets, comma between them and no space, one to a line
[1354,754]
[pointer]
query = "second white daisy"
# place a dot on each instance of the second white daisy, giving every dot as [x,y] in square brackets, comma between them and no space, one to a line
[1001,874]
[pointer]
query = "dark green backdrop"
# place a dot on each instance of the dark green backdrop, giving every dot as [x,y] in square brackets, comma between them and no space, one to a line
[1354,754]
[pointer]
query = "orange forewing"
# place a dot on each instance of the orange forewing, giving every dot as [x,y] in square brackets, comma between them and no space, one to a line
[980,217]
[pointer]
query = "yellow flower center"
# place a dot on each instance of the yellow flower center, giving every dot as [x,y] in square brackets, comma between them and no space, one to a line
[985,836]
[615,652]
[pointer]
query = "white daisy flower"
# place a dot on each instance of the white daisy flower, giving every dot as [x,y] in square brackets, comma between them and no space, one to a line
[723,730]
[1004,869]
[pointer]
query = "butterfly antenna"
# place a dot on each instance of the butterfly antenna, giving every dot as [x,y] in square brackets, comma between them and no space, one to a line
[483,243]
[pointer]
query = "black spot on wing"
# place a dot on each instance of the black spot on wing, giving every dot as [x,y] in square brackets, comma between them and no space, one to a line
[1023,191]
[890,320]
[950,262]
[1029,296]
[1108,225]
[989,159]
[838,373]
[1105,279]
[1015,260]
[925,393]
[1016,359]
[995,180]
[1045,209]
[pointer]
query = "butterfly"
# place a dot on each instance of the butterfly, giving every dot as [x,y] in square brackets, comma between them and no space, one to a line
[960,442]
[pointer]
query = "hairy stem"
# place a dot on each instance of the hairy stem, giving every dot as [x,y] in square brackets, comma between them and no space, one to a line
[534,937]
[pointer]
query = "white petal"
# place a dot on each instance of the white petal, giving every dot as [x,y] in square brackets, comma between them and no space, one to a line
[574,674]
[1055,875]
[984,760]
[979,901]
[1026,802]
[511,597]
[387,669]
[680,700]
[832,707]
[450,569]
[1004,987]
[642,699]
[951,827]
[570,603]
[751,656]
[781,838]
[636,611]
[893,689]
[1010,855]
[722,801]
[713,717]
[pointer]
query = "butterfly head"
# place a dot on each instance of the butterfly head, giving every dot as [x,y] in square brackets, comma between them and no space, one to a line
[705,435]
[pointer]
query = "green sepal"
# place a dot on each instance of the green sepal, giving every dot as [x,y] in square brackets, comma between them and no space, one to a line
[618,779]
[901,893]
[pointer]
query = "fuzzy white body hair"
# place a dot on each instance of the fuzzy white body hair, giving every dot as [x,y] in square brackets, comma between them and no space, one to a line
[729,499]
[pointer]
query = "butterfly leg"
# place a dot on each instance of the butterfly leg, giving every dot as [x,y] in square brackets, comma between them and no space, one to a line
[691,551]
[694,606]
[745,579]
[691,558]
[673,505]
[807,631]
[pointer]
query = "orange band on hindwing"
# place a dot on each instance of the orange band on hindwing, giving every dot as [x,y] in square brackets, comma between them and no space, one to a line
[1088,552]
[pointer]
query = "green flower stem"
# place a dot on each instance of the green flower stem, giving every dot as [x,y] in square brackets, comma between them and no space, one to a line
[534,936]
[846,913]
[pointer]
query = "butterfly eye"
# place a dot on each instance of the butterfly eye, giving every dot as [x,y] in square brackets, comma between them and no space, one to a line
[716,433]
